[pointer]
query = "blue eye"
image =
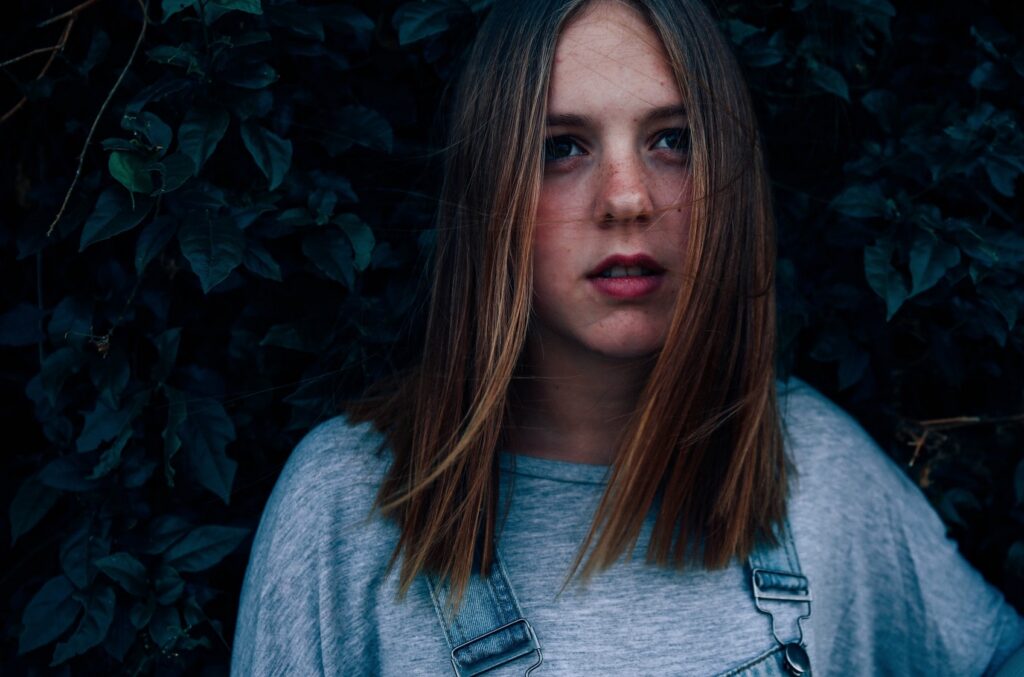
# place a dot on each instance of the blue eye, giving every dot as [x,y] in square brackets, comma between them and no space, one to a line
[560,147]
[677,140]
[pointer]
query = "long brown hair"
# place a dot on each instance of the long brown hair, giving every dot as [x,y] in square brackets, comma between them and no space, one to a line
[704,444]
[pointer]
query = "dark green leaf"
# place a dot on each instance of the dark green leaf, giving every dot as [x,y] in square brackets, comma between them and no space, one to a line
[173,171]
[360,125]
[860,201]
[247,6]
[79,552]
[416,21]
[110,376]
[204,547]
[761,51]
[273,155]
[166,344]
[153,238]
[301,20]
[121,635]
[987,76]
[20,326]
[205,434]
[214,247]
[150,128]
[1002,174]
[103,424]
[31,503]
[184,55]
[200,132]
[163,532]
[48,614]
[930,258]
[131,171]
[165,626]
[55,369]
[350,21]
[307,335]
[885,280]
[332,253]
[361,237]
[1006,302]
[322,203]
[111,457]
[92,629]
[258,260]
[142,612]
[125,570]
[168,585]
[176,414]
[67,473]
[249,75]
[830,80]
[739,32]
[113,215]
[172,7]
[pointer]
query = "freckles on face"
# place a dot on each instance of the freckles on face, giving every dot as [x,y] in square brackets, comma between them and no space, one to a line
[614,198]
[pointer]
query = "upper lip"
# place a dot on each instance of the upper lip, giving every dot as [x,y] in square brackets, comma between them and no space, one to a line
[626,260]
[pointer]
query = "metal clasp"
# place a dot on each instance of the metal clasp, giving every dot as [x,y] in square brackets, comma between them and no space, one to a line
[532,646]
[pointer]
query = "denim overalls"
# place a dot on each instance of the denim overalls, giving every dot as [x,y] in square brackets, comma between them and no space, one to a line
[490,630]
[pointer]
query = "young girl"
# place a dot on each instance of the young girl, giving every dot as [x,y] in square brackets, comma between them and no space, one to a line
[593,470]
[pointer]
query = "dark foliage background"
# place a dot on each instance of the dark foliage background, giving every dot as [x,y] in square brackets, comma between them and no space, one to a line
[245,231]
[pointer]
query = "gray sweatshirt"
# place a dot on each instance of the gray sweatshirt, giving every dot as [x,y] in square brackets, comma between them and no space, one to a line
[891,593]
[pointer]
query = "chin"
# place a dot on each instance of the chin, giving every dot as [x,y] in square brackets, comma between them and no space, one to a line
[629,347]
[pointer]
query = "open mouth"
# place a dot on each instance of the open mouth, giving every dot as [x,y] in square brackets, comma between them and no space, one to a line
[627,277]
[628,271]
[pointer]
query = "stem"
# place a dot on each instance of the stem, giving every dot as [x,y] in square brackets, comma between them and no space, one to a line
[70,14]
[144,5]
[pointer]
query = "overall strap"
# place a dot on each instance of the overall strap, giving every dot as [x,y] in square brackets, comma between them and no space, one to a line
[489,629]
[782,592]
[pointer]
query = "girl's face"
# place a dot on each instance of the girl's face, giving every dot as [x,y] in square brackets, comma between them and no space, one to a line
[613,215]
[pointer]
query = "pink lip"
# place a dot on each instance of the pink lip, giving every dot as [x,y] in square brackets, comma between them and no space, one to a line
[630,286]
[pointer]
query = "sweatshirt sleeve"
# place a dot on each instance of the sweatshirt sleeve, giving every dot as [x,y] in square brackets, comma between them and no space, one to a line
[278,630]
[893,593]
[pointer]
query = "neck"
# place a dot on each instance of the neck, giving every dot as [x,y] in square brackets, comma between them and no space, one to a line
[572,406]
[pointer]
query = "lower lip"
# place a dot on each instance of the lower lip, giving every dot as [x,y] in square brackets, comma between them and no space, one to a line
[628,287]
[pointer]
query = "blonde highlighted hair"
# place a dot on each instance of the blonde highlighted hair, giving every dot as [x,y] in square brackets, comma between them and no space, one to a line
[704,445]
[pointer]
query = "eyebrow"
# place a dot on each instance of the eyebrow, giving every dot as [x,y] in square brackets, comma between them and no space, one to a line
[577,120]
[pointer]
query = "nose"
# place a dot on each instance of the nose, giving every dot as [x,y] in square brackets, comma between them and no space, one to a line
[624,195]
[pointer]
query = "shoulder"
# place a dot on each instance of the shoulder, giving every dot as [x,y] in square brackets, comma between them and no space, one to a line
[316,531]
[335,449]
[832,450]
[326,492]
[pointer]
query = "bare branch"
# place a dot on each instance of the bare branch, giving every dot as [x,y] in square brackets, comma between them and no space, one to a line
[46,67]
[70,14]
[41,50]
[144,5]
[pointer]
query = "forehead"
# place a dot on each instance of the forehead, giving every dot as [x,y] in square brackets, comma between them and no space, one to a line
[609,57]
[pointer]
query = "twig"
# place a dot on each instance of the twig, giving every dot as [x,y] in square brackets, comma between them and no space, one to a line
[49,62]
[962,421]
[144,5]
[41,50]
[70,14]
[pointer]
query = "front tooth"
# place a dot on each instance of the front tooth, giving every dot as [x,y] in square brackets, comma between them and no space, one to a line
[618,271]
[635,270]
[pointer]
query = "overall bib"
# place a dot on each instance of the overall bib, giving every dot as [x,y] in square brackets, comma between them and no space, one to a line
[490,630]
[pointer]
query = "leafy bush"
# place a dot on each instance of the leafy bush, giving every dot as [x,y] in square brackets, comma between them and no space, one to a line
[242,246]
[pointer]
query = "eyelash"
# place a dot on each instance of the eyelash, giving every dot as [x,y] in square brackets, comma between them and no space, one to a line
[683,148]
